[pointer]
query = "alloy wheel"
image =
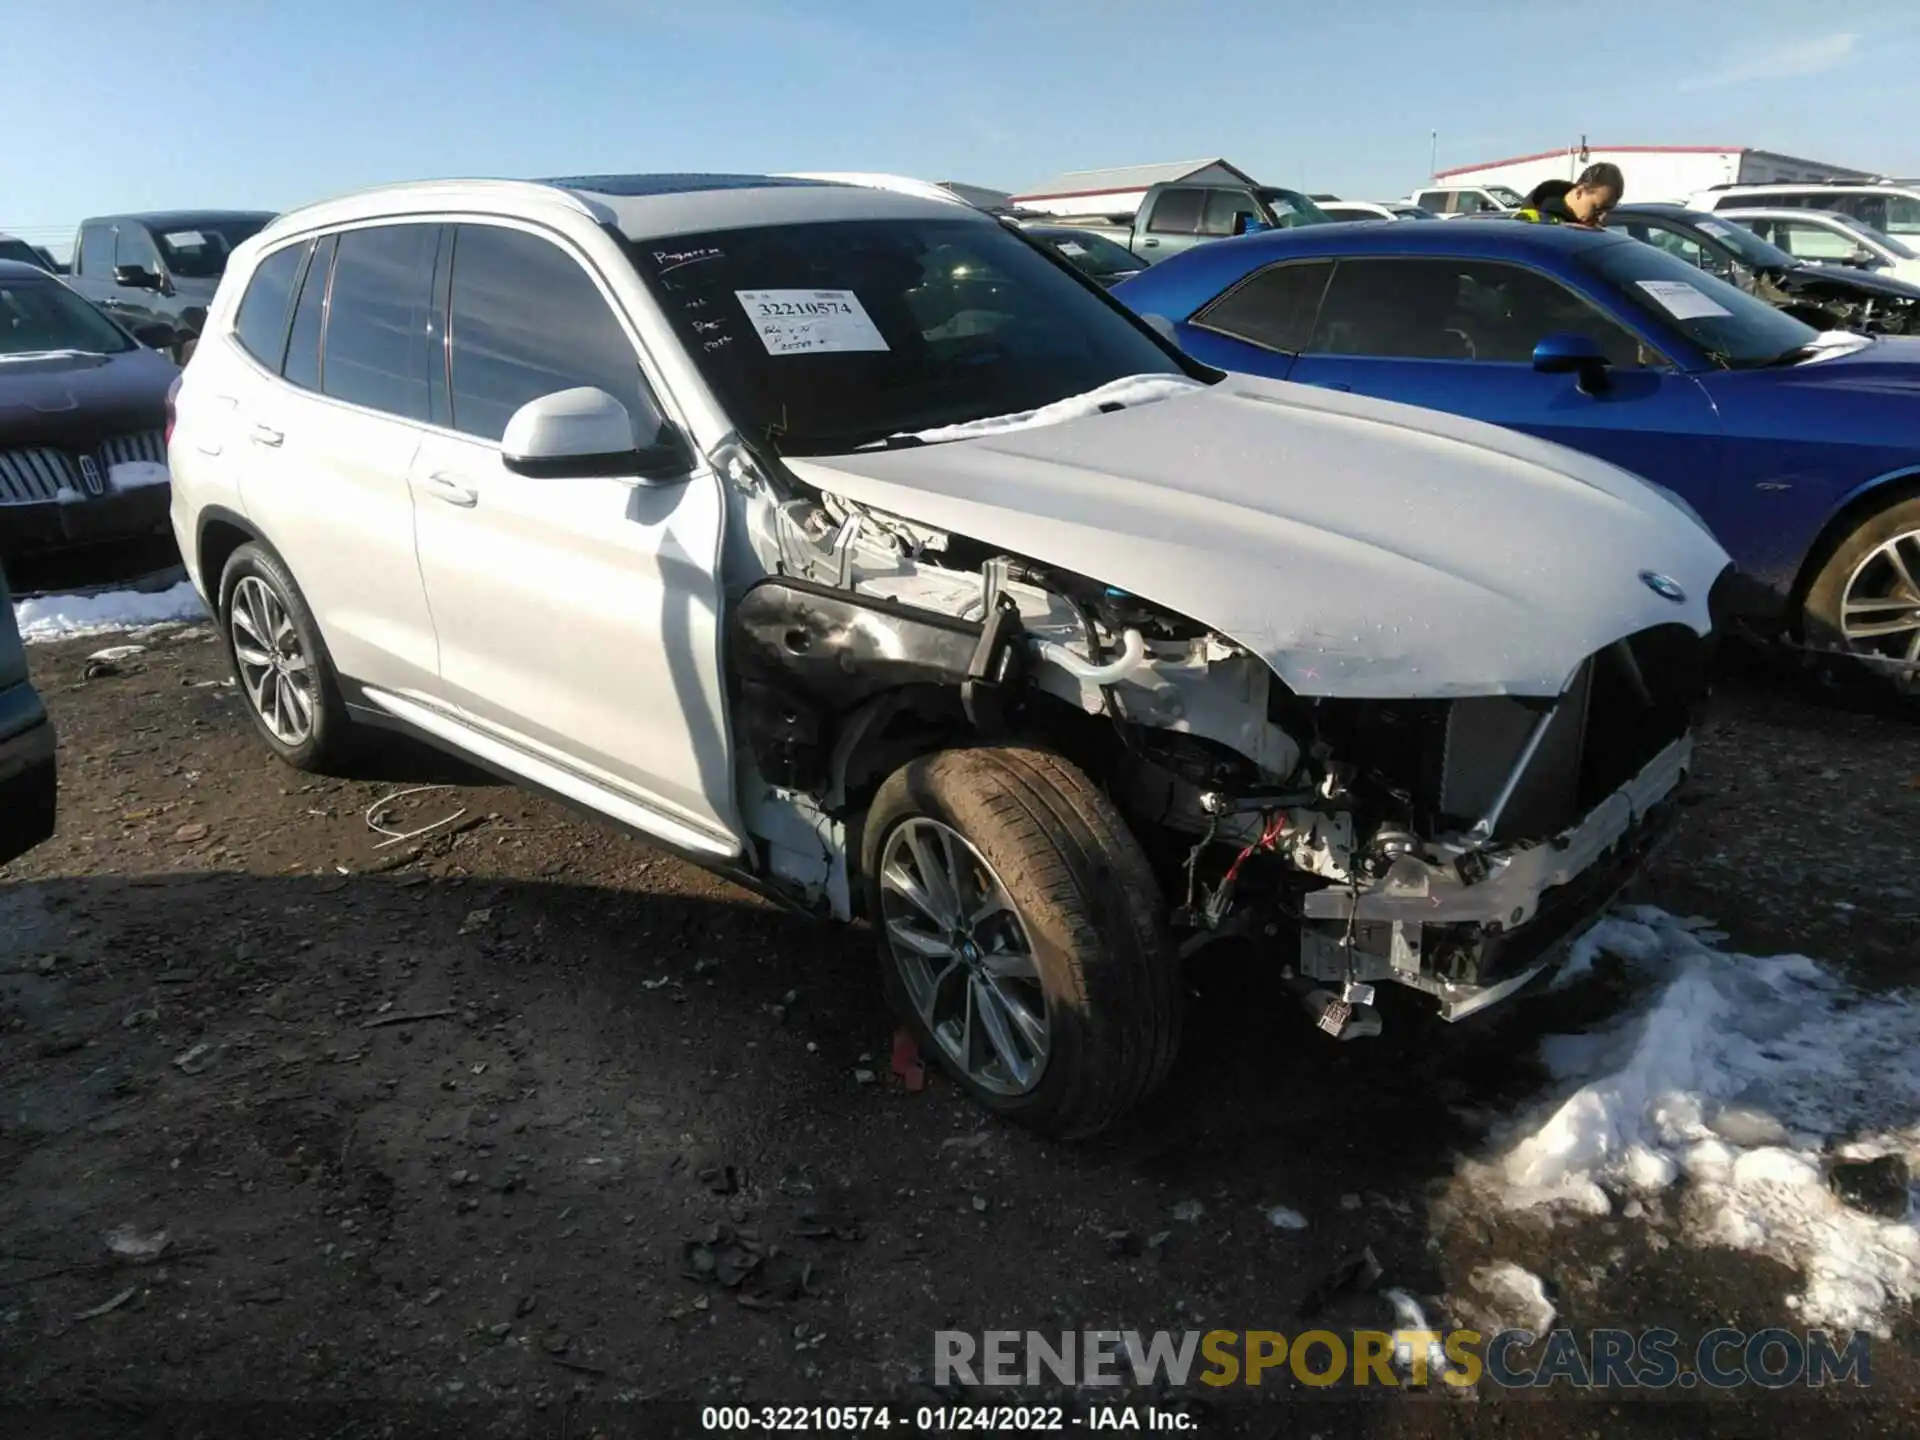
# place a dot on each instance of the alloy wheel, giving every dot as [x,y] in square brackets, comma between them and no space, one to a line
[963,956]
[274,667]
[1880,609]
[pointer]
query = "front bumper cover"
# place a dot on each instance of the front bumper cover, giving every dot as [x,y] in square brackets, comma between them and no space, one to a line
[33,530]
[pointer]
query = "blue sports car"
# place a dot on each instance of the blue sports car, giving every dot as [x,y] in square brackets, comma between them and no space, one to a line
[1800,450]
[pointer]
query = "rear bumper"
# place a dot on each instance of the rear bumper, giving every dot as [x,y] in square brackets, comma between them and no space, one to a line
[27,531]
[29,790]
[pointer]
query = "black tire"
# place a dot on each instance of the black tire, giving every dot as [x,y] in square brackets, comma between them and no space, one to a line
[328,741]
[1091,908]
[1821,613]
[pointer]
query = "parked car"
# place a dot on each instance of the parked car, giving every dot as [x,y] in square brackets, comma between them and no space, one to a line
[1449,201]
[1828,239]
[82,445]
[29,787]
[738,513]
[1175,217]
[1890,206]
[1799,450]
[20,252]
[1369,210]
[159,268]
[1100,259]
[1827,297]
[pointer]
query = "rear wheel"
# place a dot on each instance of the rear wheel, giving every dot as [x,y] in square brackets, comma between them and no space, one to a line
[1865,602]
[280,663]
[1022,936]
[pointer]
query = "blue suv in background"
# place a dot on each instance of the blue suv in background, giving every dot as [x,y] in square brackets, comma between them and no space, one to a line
[28,789]
[1801,451]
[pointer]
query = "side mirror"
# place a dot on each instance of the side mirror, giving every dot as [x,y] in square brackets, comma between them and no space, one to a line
[157,335]
[136,277]
[1247,223]
[1567,352]
[586,431]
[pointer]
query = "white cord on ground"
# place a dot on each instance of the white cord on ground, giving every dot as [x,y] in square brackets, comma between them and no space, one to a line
[396,837]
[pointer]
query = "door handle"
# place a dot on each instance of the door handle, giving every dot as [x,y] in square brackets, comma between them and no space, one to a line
[1150,244]
[450,489]
[266,435]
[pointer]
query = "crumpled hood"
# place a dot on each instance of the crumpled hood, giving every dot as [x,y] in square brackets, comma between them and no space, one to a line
[1365,549]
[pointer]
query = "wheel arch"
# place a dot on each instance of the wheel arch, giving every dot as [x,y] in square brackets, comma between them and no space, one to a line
[1854,508]
[220,532]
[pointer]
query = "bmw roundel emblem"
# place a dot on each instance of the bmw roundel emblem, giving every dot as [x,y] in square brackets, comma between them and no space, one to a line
[1663,586]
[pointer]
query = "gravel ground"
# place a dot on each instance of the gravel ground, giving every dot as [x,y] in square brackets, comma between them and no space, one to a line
[473,1123]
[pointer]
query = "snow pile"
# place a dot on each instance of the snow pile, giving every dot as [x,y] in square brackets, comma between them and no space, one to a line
[1743,1076]
[1518,1295]
[1129,391]
[63,617]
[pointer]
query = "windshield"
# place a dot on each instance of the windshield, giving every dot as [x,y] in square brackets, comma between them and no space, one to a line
[1748,247]
[1512,199]
[821,338]
[38,315]
[1092,253]
[1291,209]
[199,252]
[1878,237]
[1735,329]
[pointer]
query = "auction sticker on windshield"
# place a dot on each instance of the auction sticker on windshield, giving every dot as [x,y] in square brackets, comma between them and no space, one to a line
[1683,301]
[799,322]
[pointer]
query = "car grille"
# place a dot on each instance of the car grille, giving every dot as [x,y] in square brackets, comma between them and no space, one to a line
[35,475]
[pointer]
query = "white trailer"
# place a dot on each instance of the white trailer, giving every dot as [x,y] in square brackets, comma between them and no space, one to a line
[1653,172]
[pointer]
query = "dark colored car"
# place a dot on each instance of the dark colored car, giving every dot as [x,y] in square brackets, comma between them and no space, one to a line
[1798,449]
[16,249]
[162,267]
[83,455]
[1827,297]
[28,787]
[1104,261]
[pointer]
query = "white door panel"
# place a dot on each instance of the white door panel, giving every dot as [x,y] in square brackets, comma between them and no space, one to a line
[328,486]
[580,619]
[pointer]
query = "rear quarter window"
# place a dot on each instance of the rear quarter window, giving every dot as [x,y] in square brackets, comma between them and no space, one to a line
[260,324]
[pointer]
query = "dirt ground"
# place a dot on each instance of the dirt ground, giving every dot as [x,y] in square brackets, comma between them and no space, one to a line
[483,1124]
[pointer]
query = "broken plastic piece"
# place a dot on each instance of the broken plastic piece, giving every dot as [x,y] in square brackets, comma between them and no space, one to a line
[906,1061]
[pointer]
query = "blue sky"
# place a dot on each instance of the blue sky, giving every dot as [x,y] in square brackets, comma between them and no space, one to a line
[134,104]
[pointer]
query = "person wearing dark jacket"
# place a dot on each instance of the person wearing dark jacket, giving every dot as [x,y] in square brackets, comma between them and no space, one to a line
[1586,201]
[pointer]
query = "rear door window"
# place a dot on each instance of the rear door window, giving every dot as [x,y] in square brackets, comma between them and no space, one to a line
[1177,212]
[309,319]
[379,336]
[527,320]
[261,323]
[1274,309]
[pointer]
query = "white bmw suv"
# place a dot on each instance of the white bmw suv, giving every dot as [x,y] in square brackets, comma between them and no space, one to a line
[854,545]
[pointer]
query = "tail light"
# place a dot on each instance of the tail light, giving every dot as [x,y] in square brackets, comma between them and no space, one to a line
[173,392]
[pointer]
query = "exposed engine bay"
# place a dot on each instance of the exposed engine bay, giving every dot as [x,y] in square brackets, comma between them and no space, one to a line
[1835,303]
[1446,845]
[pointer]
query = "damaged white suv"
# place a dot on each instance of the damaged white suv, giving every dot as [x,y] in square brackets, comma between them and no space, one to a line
[851,544]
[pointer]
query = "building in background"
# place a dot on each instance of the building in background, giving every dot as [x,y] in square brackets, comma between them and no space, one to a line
[1119,190]
[1653,172]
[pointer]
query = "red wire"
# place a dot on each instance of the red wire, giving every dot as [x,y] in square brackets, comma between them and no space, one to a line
[1269,836]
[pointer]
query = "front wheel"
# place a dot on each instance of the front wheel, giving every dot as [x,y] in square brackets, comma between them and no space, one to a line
[1022,935]
[1865,602]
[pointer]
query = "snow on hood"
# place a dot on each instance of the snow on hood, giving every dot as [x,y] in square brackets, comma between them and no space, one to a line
[1132,390]
[1364,548]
